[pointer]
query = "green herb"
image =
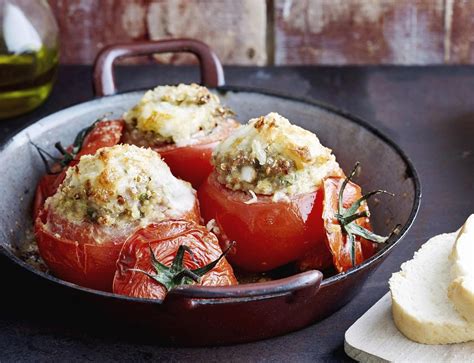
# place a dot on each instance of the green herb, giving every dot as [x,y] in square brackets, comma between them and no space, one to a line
[143,196]
[76,146]
[44,155]
[347,217]
[176,274]
[67,157]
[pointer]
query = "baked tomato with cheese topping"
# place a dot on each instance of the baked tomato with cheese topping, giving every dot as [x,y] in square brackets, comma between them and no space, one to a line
[266,193]
[167,254]
[101,202]
[184,124]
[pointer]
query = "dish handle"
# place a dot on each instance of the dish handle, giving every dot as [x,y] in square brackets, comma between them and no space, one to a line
[212,74]
[298,287]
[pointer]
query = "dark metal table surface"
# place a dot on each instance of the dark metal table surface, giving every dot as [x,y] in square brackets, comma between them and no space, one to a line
[429,111]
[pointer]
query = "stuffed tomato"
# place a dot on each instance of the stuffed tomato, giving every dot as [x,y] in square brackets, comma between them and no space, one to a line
[184,124]
[265,193]
[102,201]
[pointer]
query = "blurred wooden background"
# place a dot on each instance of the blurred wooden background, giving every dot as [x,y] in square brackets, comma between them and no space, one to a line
[261,32]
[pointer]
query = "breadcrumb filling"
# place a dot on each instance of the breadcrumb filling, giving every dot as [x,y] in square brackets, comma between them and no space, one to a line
[270,156]
[178,115]
[123,184]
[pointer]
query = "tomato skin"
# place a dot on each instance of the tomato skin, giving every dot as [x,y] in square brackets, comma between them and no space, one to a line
[104,133]
[71,253]
[47,186]
[190,163]
[267,234]
[319,258]
[335,239]
[85,264]
[164,238]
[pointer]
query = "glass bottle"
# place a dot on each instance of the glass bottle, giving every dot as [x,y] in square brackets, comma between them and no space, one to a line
[29,52]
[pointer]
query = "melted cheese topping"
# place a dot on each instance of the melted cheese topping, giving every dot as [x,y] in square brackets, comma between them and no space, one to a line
[123,184]
[176,114]
[271,156]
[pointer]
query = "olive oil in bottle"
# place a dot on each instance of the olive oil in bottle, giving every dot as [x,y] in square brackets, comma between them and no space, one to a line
[29,51]
[26,80]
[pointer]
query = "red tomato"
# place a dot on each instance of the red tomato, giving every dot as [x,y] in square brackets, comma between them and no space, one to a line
[267,234]
[85,264]
[319,258]
[71,252]
[104,133]
[164,239]
[47,186]
[193,162]
[190,163]
[336,240]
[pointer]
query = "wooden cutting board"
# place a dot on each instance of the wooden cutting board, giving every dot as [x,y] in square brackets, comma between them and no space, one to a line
[375,338]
